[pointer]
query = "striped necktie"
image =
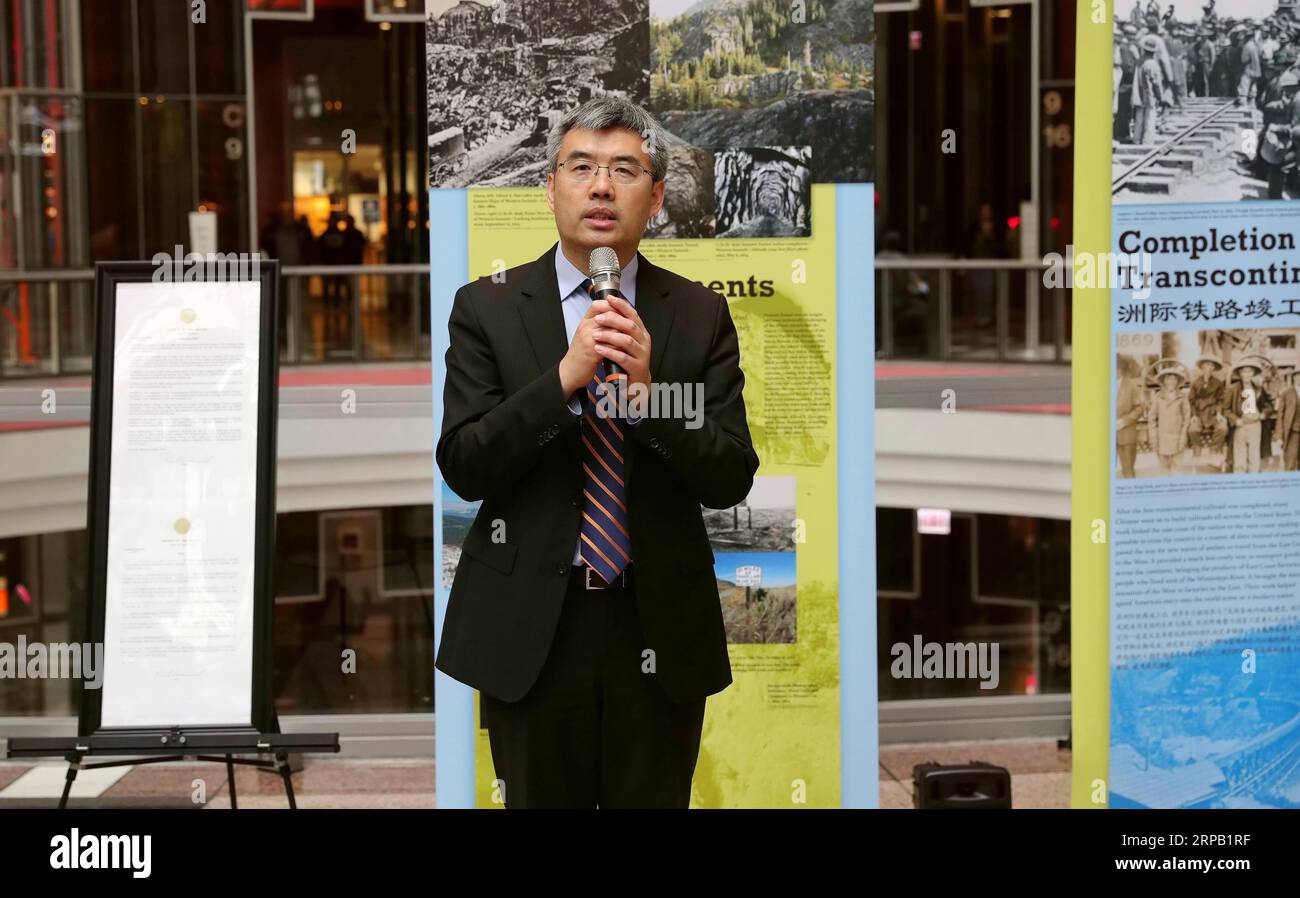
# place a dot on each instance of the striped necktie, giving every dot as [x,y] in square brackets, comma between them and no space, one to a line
[605,543]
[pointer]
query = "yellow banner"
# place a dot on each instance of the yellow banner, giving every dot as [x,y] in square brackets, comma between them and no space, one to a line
[772,738]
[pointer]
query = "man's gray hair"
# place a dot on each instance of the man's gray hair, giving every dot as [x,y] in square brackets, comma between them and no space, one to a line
[612,112]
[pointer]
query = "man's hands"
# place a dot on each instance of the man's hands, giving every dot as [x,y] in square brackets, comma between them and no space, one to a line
[579,363]
[623,340]
[611,330]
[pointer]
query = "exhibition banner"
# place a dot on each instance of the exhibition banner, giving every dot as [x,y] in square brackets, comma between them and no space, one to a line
[771,738]
[767,109]
[1205,509]
[1203,641]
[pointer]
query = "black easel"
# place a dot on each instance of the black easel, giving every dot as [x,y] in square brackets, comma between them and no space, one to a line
[159,744]
[160,747]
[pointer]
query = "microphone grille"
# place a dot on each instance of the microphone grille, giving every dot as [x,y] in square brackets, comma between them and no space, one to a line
[603,258]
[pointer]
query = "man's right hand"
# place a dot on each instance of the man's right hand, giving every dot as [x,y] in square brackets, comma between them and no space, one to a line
[579,364]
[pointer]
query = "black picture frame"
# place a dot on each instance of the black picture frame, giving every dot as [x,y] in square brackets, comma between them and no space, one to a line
[108,275]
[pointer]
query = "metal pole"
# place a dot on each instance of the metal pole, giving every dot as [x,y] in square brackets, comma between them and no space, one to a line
[1003,324]
[356,315]
[1031,312]
[886,317]
[250,132]
[945,314]
[56,353]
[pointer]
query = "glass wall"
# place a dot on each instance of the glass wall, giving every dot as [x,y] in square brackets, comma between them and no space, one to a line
[341,166]
[993,579]
[353,626]
[150,125]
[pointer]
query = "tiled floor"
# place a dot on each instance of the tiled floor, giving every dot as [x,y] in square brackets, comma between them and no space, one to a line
[1040,772]
[322,783]
[1040,778]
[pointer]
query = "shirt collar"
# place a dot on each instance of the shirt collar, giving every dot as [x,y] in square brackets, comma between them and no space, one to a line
[568,277]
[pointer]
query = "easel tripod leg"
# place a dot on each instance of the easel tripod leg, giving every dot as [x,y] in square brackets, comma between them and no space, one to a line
[282,761]
[230,780]
[74,764]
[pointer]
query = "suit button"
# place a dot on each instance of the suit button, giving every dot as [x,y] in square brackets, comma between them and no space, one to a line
[654,442]
[668,453]
[541,439]
[561,569]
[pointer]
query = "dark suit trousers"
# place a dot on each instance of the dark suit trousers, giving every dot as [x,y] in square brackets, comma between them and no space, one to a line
[595,731]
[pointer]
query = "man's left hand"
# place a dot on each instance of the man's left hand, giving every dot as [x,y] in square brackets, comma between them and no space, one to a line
[624,340]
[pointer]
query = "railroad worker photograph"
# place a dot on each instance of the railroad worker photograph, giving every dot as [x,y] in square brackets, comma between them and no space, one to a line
[1129,409]
[585,606]
[1117,75]
[1147,93]
[1178,50]
[1280,105]
[1223,73]
[1202,63]
[1168,417]
[1278,151]
[1247,402]
[1130,57]
[1289,421]
[1208,428]
[1274,384]
[1156,30]
[1252,68]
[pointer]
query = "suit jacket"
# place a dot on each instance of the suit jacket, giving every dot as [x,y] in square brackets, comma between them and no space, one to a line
[1128,408]
[510,439]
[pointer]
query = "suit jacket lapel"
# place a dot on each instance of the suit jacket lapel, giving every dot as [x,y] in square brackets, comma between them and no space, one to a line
[542,313]
[655,307]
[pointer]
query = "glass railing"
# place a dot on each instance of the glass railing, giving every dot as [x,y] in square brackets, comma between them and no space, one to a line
[363,313]
[989,310]
[930,309]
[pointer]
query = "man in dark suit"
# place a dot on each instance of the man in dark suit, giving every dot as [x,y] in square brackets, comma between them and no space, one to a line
[585,607]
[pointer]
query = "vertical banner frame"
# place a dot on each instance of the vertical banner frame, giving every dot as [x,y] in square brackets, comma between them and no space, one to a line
[855,432]
[1090,454]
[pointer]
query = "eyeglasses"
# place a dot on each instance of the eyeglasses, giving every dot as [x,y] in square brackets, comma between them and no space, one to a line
[620,172]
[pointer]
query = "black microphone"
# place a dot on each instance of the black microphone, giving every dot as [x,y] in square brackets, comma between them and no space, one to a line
[605,274]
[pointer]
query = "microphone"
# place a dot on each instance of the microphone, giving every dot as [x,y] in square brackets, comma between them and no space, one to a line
[605,274]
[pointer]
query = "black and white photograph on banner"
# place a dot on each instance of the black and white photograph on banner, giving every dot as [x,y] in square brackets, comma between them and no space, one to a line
[1206,101]
[690,203]
[501,74]
[753,192]
[751,73]
[763,192]
[1207,402]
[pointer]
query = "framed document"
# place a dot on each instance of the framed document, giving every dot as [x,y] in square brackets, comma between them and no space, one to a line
[182,497]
